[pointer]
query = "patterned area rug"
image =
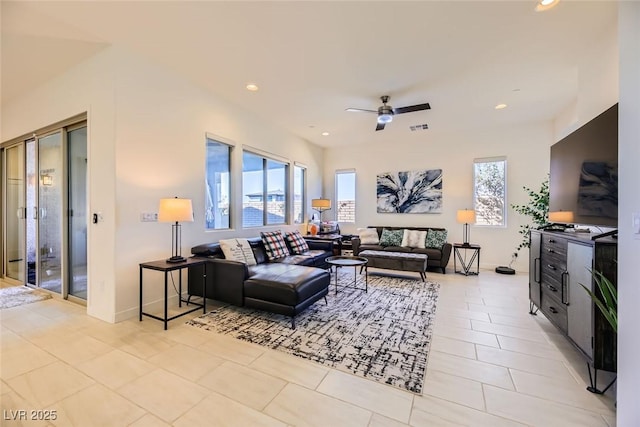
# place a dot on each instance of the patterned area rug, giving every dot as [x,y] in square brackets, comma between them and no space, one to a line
[20,295]
[383,335]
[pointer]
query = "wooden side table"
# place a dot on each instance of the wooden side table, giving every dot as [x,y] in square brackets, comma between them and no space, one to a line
[466,265]
[166,267]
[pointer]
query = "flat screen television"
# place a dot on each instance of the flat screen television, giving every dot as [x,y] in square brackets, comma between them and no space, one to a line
[583,176]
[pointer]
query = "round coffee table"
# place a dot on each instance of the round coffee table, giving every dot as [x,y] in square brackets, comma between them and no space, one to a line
[351,261]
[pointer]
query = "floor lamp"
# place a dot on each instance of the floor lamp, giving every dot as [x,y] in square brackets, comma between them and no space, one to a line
[175,210]
[466,217]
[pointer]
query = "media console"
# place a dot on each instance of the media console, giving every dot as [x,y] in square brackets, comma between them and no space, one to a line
[559,262]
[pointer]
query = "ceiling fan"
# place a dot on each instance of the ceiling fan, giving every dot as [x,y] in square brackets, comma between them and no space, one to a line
[386,112]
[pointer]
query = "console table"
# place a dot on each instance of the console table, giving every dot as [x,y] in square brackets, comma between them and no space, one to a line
[166,267]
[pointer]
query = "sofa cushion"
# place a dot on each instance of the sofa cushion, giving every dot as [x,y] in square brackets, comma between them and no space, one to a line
[414,238]
[274,244]
[436,239]
[238,250]
[285,283]
[391,237]
[297,243]
[433,254]
[368,236]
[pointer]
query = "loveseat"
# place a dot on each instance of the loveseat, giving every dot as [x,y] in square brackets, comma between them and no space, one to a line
[438,257]
[285,285]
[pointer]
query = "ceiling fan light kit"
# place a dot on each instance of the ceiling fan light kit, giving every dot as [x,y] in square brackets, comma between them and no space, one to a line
[386,112]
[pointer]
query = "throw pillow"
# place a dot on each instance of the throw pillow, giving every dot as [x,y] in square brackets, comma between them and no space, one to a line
[296,242]
[391,237]
[368,236]
[436,239]
[414,238]
[238,250]
[274,244]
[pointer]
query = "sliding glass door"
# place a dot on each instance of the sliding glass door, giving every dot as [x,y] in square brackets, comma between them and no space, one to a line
[51,182]
[78,218]
[45,211]
[14,213]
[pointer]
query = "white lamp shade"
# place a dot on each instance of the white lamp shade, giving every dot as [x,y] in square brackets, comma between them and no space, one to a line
[175,210]
[321,204]
[466,216]
[562,217]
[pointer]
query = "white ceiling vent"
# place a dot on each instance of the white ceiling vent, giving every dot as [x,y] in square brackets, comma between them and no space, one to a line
[419,127]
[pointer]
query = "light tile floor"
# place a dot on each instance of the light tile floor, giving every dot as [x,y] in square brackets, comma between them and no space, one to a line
[490,364]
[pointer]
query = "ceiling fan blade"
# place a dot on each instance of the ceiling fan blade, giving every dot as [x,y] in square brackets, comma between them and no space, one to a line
[380,126]
[360,110]
[412,108]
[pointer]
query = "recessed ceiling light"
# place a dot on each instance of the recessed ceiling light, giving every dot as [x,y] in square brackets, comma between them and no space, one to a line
[500,106]
[546,5]
[325,133]
[252,87]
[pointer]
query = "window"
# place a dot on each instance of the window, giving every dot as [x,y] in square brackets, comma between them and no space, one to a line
[346,196]
[264,190]
[218,186]
[490,178]
[299,176]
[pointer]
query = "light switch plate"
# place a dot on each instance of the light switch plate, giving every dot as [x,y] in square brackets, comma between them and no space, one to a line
[635,224]
[149,217]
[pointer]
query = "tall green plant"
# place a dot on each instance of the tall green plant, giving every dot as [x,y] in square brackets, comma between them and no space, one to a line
[537,209]
[608,304]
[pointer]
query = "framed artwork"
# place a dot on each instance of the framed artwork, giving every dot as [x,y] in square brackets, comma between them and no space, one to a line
[410,192]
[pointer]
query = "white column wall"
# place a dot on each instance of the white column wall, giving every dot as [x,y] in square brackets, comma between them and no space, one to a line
[628,413]
[88,87]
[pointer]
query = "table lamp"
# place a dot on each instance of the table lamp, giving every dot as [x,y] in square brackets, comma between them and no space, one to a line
[321,205]
[175,210]
[466,217]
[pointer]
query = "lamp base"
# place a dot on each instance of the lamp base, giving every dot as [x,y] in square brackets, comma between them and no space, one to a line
[177,259]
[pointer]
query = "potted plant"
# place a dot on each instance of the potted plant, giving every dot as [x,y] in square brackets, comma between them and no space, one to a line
[607,300]
[537,209]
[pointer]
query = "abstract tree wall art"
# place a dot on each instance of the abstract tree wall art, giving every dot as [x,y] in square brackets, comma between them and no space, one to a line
[410,192]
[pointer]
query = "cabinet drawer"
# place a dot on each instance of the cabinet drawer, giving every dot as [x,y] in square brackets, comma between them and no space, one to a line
[554,311]
[554,245]
[553,291]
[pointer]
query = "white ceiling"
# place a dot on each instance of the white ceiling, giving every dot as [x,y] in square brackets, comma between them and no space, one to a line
[314,59]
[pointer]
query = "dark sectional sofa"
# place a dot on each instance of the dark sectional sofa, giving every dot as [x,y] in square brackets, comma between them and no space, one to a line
[285,285]
[437,258]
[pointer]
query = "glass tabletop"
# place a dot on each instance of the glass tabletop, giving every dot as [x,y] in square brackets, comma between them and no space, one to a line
[347,260]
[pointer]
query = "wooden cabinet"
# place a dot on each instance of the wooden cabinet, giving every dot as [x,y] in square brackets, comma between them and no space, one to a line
[559,263]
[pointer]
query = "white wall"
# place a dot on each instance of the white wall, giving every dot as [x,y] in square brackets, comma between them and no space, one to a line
[629,244]
[160,152]
[146,141]
[527,153]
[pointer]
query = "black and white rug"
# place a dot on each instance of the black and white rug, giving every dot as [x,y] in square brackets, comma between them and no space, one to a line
[383,335]
[20,295]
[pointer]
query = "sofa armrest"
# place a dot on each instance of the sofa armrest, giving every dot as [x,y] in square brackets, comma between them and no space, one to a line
[355,245]
[322,245]
[228,280]
[446,254]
